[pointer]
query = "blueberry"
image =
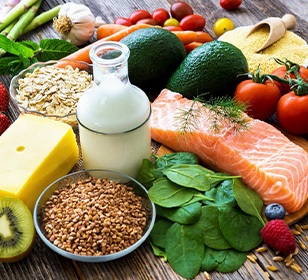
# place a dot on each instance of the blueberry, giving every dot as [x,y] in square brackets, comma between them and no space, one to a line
[274,211]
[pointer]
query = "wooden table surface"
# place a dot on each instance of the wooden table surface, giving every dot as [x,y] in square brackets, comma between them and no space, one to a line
[42,263]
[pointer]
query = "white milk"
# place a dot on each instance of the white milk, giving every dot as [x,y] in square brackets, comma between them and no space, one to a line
[113,121]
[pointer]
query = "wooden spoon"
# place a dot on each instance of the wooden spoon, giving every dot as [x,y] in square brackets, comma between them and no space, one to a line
[277,26]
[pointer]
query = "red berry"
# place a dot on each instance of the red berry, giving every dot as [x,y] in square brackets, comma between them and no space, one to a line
[277,235]
[4,98]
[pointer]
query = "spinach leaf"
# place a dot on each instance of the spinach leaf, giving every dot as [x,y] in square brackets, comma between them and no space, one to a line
[168,194]
[158,233]
[241,230]
[188,214]
[166,160]
[248,200]
[188,175]
[212,258]
[145,174]
[223,261]
[222,194]
[185,249]
[158,252]
[212,234]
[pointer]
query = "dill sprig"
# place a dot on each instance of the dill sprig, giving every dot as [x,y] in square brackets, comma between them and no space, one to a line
[222,110]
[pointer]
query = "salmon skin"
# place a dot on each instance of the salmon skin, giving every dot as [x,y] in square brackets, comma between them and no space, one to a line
[267,161]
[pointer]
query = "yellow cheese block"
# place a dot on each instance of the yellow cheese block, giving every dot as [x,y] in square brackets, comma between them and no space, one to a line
[35,151]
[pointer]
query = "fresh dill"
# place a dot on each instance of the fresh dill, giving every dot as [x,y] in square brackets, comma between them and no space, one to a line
[222,110]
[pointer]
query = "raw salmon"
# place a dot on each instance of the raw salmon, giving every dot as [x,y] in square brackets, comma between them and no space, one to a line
[269,163]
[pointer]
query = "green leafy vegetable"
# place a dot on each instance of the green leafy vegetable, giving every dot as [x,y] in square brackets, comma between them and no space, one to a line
[248,200]
[185,249]
[20,55]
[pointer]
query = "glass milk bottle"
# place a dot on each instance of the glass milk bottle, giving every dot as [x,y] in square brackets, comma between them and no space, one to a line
[113,115]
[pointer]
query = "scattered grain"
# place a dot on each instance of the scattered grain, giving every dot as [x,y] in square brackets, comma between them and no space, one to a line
[295,267]
[278,259]
[304,227]
[272,268]
[295,232]
[207,275]
[251,258]
[261,249]
[299,228]
[302,245]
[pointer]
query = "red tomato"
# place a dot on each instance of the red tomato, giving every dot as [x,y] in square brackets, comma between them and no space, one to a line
[193,22]
[292,113]
[261,99]
[160,16]
[123,21]
[282,73]
[180,9]
[230,4]
[138,15]
[149,21]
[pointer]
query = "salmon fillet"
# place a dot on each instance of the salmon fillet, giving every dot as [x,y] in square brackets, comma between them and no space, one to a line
[269,163]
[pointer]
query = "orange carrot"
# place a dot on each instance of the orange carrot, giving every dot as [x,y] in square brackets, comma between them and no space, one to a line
[191,46]
[105,30]
[186,36]
[83,54]
[203,37]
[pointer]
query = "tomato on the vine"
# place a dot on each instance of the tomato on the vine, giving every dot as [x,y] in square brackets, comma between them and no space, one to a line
[230,4]
[282,72]
[261,98]
[292,113]
[180,9]
[193,22]
[160,16]
[138,15]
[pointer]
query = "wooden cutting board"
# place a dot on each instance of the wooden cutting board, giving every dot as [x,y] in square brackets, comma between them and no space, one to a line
[300,141]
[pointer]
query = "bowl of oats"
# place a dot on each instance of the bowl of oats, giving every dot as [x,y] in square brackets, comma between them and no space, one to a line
[94,215]
[51,89]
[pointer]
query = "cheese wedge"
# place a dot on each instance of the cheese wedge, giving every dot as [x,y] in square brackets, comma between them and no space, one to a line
[35,151]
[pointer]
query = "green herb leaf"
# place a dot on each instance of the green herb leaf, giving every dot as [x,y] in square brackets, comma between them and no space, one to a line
[168,194]
[15,48]
[185,249]
[248,200]
[158,252]
[146,173]
[30,44]
[158,233]
[54,49]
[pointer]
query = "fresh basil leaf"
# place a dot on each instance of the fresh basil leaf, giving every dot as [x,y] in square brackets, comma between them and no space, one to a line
[54,49]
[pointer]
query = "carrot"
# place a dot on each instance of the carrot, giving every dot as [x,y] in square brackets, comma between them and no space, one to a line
[203,37]
[186,36]
[83,54]
[191,46]
[105,30]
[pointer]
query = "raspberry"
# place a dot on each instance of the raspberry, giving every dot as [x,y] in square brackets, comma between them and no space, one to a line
[277,235]
[4,98]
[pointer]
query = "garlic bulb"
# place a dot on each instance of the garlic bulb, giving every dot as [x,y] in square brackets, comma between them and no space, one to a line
[75,23]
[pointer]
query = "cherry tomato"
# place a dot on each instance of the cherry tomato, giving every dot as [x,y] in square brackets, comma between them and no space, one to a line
[222,25]
[138,15]
[230,4]
[123,21]
[193,22]
[292,113]
[173,28]
[149,21]
[180,9]
[261,99]
[160,16]
[282,73]
[171,22]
